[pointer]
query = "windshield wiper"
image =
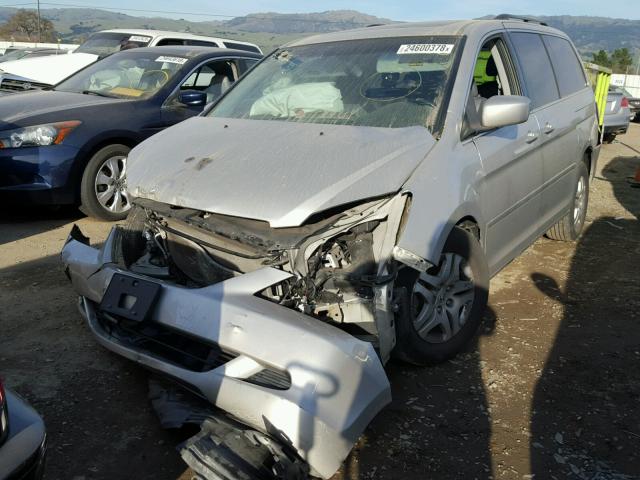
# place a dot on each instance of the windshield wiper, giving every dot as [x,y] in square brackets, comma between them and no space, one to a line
[98,94]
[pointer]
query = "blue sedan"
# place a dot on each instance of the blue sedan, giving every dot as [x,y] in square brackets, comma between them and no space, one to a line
[70,144]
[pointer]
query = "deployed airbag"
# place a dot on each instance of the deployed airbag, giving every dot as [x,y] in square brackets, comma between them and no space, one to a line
[304,97]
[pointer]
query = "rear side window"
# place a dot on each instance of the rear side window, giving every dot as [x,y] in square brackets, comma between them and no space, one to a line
[169,41]
[242,46]
[536,67]
[568,69]
[201,43]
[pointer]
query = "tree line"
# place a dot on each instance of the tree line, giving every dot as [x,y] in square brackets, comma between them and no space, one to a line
[23,27]
[620,60]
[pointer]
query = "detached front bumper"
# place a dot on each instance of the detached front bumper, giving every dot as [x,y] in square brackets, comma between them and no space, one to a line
[337,383]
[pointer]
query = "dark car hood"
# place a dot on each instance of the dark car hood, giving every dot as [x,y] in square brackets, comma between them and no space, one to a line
[279,172]
[17,107]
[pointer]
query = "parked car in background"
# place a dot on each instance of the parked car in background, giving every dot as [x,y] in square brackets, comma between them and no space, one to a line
[347,200]
[70,143]
[617,114]
[37,73]
[22,439]
[24,53]
[634,101]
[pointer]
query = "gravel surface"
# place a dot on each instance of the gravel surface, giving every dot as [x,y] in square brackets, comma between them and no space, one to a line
[550,389]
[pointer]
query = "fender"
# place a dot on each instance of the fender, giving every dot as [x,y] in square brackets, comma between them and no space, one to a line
[440,200]
[103,139]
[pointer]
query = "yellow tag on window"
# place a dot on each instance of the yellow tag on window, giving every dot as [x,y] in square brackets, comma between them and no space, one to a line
[128,92]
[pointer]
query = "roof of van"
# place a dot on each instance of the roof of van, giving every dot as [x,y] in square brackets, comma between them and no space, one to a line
[418,29]
[166,33]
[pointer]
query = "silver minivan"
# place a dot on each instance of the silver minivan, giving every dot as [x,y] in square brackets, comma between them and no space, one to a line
[347,201]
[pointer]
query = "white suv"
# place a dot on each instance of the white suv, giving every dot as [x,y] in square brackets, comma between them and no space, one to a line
[42,72]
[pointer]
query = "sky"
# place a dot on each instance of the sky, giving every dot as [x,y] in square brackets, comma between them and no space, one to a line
[408,10]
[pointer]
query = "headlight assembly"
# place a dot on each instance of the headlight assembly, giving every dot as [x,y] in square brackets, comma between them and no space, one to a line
[37,135]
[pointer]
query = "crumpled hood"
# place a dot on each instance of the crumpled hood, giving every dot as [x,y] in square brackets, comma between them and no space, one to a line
[50,69]
[279,172]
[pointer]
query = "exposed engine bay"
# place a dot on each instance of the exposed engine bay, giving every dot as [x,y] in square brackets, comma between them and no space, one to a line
[339,261]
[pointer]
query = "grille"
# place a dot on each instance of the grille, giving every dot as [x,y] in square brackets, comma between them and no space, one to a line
[12,85]
[182,350]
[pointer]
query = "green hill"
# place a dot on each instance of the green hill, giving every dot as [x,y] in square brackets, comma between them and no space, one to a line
[270,30]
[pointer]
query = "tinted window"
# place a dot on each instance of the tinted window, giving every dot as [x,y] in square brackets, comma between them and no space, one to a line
[201,43]
[169,41]
[566,65]
[241,46]
[536,67]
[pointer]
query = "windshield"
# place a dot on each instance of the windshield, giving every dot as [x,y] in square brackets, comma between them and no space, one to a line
[15,55]
[111,42]
[387,82]
[127,75]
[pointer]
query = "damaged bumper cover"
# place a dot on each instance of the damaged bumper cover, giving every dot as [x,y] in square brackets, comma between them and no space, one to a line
[335,383]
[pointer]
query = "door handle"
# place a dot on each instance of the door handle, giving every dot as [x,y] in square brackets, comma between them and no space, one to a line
[531,137]
[548,128]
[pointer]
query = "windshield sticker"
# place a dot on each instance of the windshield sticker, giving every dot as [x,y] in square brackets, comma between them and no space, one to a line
[127,92]
[177,60]
[139,38]
[422,48]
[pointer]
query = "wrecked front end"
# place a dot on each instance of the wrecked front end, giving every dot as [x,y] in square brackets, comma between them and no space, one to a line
[284,329]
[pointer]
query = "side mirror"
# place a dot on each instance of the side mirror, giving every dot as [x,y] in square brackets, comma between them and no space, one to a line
[193,98]
[502,110]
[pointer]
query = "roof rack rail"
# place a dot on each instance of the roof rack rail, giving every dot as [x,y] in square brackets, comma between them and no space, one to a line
[508,16]
[375,25]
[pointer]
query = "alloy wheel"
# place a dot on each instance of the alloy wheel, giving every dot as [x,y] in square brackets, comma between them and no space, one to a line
[111,183]
[442,299]
[580,202]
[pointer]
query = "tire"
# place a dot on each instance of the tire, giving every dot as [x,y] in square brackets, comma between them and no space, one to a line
[609,137]
[461,302]
[102,189]
[571,225]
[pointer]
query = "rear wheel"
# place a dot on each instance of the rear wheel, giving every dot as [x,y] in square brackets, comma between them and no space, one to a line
[571,225]
[103,189]
[441,309]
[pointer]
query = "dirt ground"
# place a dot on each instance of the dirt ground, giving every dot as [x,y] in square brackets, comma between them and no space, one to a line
[550,390]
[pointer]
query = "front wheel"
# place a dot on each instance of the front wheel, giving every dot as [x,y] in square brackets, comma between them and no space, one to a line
[441,309]
[103,191]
